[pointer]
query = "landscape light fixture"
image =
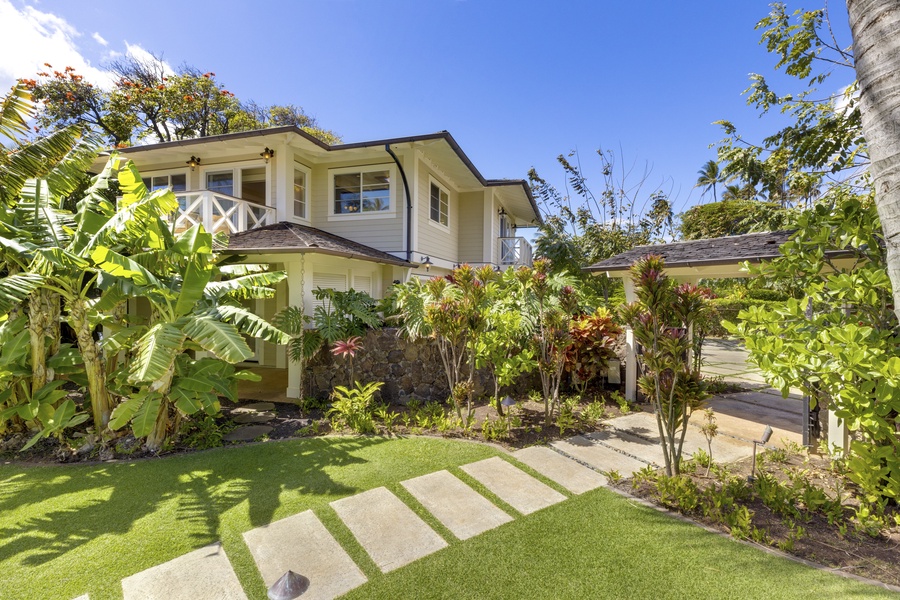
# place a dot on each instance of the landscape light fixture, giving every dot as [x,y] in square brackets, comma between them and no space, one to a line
[508,401]
[194,162]
[267,154]
[426,262]
[760,442]
[290,586]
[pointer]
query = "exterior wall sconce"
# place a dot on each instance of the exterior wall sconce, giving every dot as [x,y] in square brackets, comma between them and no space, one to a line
[194,162]
[267,154]
[502,211]
[426,262]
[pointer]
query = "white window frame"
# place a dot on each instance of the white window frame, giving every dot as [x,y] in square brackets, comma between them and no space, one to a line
[159,173]
[384,214]
[434,182]
[236,168]
[306,218]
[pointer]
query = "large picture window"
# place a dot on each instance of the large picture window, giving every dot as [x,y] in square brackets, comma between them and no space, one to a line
[363,191]
[440,201]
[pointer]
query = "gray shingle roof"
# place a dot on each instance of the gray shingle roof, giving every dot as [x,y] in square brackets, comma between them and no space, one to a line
[287,237]
[718,251]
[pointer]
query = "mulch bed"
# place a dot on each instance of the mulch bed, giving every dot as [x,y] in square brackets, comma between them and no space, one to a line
[853,551]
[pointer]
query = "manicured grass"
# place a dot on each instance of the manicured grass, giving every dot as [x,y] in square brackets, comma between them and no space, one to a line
[65,531]
[70,530]
[601,545]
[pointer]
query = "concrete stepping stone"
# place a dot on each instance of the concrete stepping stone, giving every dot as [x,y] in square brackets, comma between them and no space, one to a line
[85,597]
[724,449]
[566,472]
[253,417]
[247,433]
[770,401]
[389,531]
[513,485]
[641,448]
[301,544]
[598,456]
[462,510]
[204,574]
[255,407]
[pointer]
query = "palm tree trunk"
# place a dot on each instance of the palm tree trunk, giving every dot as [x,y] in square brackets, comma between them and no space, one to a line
[875,25]
[101,406]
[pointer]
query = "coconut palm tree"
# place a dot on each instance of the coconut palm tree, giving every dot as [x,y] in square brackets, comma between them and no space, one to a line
[709,176]
[876,51]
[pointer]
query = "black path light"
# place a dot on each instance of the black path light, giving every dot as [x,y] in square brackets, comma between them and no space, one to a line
[508,402]
[290,586]
[760,442]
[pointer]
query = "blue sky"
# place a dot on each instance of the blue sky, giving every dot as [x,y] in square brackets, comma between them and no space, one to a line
[516,82]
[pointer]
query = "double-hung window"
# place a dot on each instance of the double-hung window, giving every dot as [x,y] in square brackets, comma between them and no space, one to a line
[440,202]
[366,190]
[301,190]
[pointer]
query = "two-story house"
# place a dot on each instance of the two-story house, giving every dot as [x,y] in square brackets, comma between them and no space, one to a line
[360,215]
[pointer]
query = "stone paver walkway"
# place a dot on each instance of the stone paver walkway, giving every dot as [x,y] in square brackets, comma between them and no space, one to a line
[512,485]
[389,531]
[556,467]
[393,535]
[302,544]
[204,574]
[462,510]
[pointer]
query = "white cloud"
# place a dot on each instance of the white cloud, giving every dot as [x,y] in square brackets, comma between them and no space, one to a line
[29,38]
[99,39]
[138,53]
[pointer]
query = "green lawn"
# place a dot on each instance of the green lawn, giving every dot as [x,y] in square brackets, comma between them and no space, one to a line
[65,531]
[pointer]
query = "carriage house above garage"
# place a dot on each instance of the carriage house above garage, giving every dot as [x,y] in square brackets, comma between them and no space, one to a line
[359,215]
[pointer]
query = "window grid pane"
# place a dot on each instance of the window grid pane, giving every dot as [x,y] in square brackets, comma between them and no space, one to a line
[362,192]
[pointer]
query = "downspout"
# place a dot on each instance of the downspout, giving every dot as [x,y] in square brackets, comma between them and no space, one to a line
[387,148]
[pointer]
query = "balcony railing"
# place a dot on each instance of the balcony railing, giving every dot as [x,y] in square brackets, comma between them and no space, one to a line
[219,213]
[515,251]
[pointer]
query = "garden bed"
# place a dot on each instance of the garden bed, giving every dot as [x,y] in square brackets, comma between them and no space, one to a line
[785,512]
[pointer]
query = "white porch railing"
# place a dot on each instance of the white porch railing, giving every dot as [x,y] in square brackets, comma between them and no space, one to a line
[219,213]
[515,251]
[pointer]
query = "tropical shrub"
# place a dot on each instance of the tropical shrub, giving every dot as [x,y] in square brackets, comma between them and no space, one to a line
[839,342]
[661,319]
[352,408]
[593,339]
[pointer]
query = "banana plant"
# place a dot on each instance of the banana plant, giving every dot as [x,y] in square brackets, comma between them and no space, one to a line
[193,308]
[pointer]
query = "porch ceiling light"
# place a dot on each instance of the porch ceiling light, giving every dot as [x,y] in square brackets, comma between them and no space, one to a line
[267,154]
[194,162]
[426,262]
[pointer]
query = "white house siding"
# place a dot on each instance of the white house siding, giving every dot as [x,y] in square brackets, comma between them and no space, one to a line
[471,237]
[434,240]
[384,234]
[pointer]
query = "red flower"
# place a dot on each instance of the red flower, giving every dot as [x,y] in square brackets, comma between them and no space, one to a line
[348,347]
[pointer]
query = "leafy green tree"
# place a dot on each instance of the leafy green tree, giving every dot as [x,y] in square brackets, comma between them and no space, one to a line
[823,139]
[147,100]
[733,217]
[837,342]
[583,228]
[503,348]
[661,319]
